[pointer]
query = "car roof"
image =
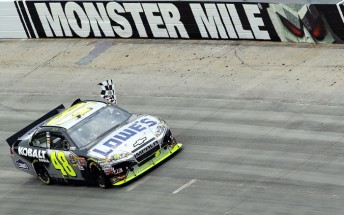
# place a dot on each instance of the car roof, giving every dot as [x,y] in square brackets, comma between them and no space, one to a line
[73,115]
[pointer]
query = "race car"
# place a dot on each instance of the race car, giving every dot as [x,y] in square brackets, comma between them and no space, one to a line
[92,141]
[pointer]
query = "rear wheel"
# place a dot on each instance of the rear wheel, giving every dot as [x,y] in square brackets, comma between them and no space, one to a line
[42,173]
[98,176]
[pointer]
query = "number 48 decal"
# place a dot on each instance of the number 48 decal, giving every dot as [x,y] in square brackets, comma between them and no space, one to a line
[60,162]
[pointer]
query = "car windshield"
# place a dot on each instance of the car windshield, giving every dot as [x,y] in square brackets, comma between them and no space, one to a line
[97,124]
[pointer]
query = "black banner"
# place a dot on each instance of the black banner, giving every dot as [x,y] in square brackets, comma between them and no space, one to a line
[183,20]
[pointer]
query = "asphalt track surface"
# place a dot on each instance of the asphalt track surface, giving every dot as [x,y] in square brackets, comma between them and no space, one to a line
[261,123]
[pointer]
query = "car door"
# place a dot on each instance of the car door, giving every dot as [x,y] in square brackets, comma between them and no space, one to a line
[61,158]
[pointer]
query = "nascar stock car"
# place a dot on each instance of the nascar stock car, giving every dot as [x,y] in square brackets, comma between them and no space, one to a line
[92,141]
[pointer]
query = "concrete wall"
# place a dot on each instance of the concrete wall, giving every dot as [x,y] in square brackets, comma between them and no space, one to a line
[227,20]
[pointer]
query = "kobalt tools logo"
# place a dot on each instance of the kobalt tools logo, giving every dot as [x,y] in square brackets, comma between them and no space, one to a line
[34,153]
[150,20]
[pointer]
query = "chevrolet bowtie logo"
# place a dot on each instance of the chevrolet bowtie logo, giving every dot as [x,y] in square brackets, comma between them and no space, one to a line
[140,141]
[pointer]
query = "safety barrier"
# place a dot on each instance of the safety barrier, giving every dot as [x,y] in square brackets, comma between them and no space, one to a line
[312,23]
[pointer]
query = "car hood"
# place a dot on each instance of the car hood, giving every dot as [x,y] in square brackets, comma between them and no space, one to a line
[126,138]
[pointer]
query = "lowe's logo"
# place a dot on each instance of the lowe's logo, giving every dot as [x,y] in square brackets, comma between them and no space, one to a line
[116,140]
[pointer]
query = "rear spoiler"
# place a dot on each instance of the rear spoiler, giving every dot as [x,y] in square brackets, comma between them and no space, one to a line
[20,133]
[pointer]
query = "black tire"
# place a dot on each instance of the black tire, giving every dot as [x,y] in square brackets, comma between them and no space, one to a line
[98,176]
[43,174]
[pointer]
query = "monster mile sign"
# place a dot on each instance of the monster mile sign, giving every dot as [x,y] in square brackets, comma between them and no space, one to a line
[147,20]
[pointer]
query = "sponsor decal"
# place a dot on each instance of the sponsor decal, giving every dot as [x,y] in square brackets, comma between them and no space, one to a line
[22,165]
[118,171]
[146,149]
[140,141]
[118,178]
[77,161]
[124,135]
[33,153]
[120,156]
[43,160]
[48,139]
[108,170]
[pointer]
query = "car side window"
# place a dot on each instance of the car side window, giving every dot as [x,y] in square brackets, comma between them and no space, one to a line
[58,141]
[39,140]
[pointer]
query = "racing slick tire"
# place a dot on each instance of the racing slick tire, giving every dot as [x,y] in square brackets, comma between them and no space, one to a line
[98,176]
[42,173]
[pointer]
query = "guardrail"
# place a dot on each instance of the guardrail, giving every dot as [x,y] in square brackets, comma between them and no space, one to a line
[312,23]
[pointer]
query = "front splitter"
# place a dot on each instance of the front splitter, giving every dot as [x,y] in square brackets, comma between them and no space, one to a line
[138,170]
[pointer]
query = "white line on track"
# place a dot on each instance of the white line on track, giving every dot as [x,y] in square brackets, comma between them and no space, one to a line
[139,182]
[184,186]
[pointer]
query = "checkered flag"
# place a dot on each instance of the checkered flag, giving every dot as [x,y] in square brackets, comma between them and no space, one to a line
[108,91]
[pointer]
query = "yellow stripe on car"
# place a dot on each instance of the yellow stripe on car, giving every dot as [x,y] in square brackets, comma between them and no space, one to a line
[144,168]
[71,113]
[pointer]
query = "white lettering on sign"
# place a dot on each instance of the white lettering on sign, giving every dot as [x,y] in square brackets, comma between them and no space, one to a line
[135,9]
[208,21]
[99,19]
[255,22]
[171,16]
[124,29]
[242,33]
[52,22]
[222,20]
[109,19]
[155,21]
[77,19]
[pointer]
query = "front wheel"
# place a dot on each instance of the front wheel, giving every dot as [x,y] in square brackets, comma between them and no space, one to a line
[98,176]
